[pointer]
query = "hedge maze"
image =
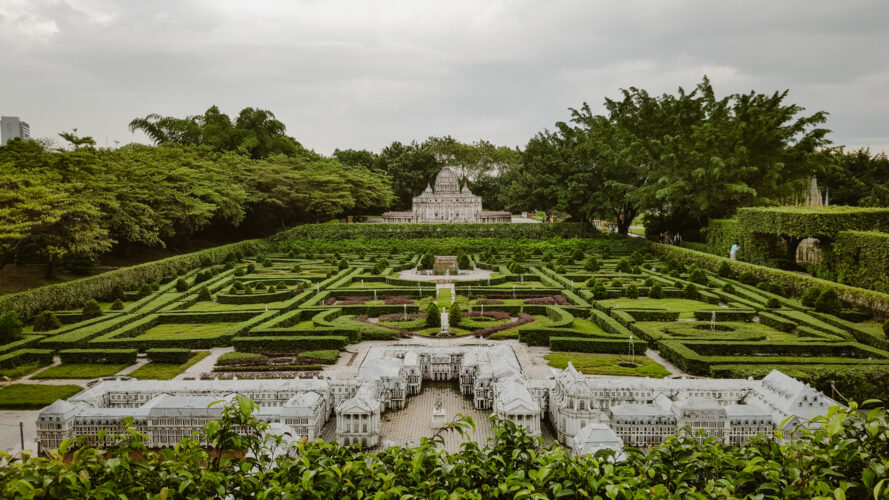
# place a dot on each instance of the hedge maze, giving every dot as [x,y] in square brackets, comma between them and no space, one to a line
[288,307]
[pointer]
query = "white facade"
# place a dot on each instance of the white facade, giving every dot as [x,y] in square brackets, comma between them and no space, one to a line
[639,412]
[446,202]
[12,126]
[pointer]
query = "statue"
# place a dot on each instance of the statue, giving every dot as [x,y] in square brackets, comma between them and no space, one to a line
[439,404]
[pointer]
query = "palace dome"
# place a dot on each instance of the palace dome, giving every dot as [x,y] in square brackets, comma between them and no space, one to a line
[447,182]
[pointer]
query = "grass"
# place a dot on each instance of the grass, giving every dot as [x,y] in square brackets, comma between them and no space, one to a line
[444,297]
[215,306]
[229,356]
[20,371]
[86,370]
[685,307]
[607,364]
[33,396]
[586,326]
[186,331]
[513,333]
[326,356]
[872,327]
[166,371]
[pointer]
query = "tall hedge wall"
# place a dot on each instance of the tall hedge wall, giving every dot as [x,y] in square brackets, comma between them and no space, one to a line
[73,294]
[804,222]
[862,257]
[414,231]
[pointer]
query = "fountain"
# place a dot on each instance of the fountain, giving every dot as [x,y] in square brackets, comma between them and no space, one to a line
[405,312]
[362,282]
[513,292]
[447,275]
[483,309]
[713,321]
[317,287]
[522,278]
[489,281]
[375,295]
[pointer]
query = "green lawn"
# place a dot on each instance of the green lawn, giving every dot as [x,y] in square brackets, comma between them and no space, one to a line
[444,297]
[166,371]
[239,356]
[685,307]
[215,306]
[607,364]
[325,356]
[20,371]
[86,370]
[586,326]
[513,333]
[186,331]
[33,396]
[872,327]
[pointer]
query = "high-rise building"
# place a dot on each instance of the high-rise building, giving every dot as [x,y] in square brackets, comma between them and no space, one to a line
[12,126]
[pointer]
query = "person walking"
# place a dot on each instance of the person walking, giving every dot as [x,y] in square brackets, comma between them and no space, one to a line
[677,239]
[733,253]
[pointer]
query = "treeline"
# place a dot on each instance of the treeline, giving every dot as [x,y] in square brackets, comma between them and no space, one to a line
[66,208]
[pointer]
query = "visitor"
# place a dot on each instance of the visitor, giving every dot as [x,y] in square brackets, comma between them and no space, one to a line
[677,239]
[733,253]
[667,240]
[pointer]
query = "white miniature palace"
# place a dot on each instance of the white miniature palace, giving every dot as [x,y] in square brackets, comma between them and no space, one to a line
[586,413]
[447,202]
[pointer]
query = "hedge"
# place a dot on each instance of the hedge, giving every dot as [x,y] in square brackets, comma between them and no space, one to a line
[776,322]
[869,300]
[862,257]
[277,343]
[648,314]
[532,335]
[725,315]
[26,357]
[73,294]
[805,222]
[335,232]
[172,355]
[597,345]
[101,356]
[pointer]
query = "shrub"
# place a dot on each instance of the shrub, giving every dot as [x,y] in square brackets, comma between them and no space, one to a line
[698,276]
[433,316]
[237,285]
[296,269]
[599,292]
[10,326]
[591,264]
[455,315]
[656,292]
[691,291]
[560,269]
[117,305]
[649,282]
[117,293]
[624,265]
[632,291]
[829,302]
[266,262]
[674,273]
[248,290]
[886,328]
[426,261]
[725,270]
[155,286]
[145,290]
[204,294]
[616,283]
[181,285]
[462,261]
[810,296]
[46,321]
[773,303]
[91,309]
[747,278]
[728,288]
[251,268]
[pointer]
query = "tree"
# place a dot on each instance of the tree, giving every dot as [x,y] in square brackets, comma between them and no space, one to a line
[433,316]
[10,327]
[77,141]
[91,309]
[455,315]
[854,177]
[46,321]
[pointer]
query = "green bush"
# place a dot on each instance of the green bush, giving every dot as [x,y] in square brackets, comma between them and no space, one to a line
[632,292]
[455,315]
[691,292]
[656,292]
[99,356]
[117,305]
[155,286]
[10,326]
[204,294]
[181,285]
[810,296]
[829,302]
[747,278]
[117,293]
[728,288]
[591,264]
[46,321]
[597,345]
[886,328]
[91,309]
[649,282]
[145,290]
[698,276]
[433,316]
[426,261]
[773,303]
[623,265]
[725,270]
[171,355]
[599,292]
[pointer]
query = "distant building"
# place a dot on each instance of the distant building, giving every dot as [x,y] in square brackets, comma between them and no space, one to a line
[447,203]
[11,127]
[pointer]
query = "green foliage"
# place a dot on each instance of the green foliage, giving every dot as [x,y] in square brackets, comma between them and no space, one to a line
[862,258]
[810,296]
[599,292]
[747,277]
[145,290]
[773,303]
[99,356]
[724,271]
[181,285]
[728,288]
[691,292]
[455,315]
[117,293]
[426,261]
[204,294]
[698,276]
[591,264]
[91,309]
[433,316]
[807,221]
[886,328]
[46,321]
[168,355]
[656,292]
[32,397]
[10,327]
[828,302]
[632,292]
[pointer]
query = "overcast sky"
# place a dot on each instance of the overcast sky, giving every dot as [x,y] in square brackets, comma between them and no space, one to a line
[363,73]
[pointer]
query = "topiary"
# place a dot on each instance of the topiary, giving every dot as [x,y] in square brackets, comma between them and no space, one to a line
[810,296]
[623,265]
[181,285]
[92,309]
[145,290]
[10,326]
[728,288]
[632,291]
[725,270]
[698,276]
[590,283]
[829,302]
[560,269]
[117,293]
[251,268]
[656,292]
[296,269]
[591,265]
[270,289]
[599,292]
[433,316]
[886,328]
[248,290]
[747,278]
[674,273]
[616,283]
[649,282]
[577,255]
[204,294]
[690,291]
[455,315]
[773,303]
[46,321]
[266,262]
[155,286]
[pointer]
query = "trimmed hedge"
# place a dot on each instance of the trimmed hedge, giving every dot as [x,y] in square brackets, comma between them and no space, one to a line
[805,222]
[335,232]
[100,356]
[725,315]
[862,257]
[171,355]
[288,344]
[25,357]
[776,322]
[597,345]
[75,293]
